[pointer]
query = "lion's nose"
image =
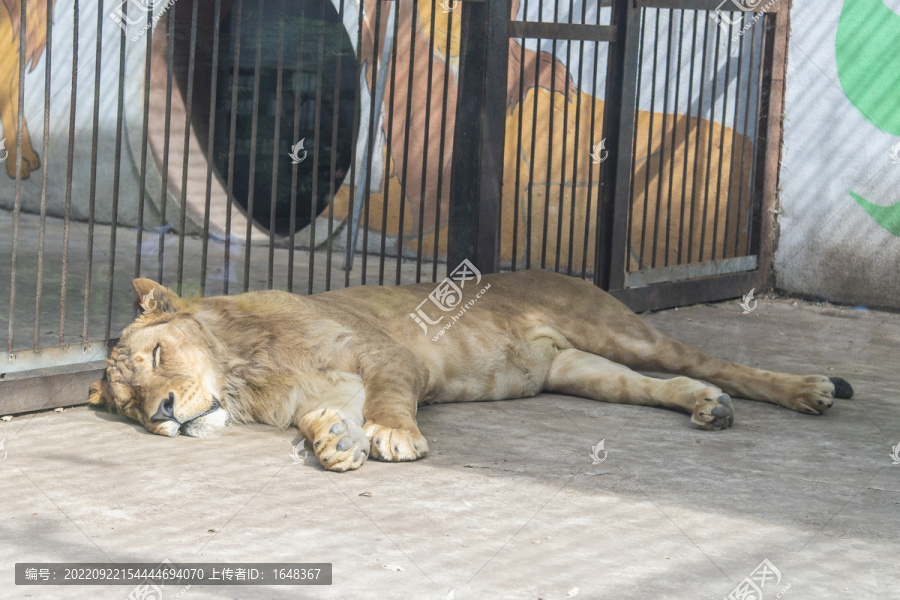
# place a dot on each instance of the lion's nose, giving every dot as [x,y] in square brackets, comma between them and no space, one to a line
[166,410]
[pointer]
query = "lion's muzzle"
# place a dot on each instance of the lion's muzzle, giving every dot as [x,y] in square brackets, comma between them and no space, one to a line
[165,422]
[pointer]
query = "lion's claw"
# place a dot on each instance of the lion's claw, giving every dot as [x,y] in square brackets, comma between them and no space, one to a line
[396,445]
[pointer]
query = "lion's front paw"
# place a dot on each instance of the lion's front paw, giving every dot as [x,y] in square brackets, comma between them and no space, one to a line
[814,396]
[714,412]
[396,444]
[339,444]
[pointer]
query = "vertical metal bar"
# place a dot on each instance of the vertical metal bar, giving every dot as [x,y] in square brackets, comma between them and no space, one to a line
[374,108]
[712,116]
[477,185]
[687,146]
[633,161]
[317,129]
[145,128]
[599,241]
[164,191]
[389,135]
[675,136]
[211,140]
[575,148]
[549,156]
[276,141]
[734,121]
[17,203]
[254,129]
[237,10]
[662,147]
[614,241]
[188,112]
[70,155]
[117,170]
[44,173]
[694,194]
[298,96]
[518,182]
[649,162]
[409,93]
[562,169]
[722,143]
[425,133]
[534,120]
[357,93]
[440,177]
[758,175]
[336,100]
[744,146]
[92,197]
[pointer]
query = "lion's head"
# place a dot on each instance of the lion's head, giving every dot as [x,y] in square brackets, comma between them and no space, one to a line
[163,372]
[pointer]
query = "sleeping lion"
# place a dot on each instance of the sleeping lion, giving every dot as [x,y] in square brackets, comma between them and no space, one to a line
[350,367]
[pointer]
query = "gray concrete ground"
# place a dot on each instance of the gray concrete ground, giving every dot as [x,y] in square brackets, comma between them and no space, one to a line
[508,504]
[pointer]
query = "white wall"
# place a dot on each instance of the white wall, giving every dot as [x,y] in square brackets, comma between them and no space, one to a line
[840,128]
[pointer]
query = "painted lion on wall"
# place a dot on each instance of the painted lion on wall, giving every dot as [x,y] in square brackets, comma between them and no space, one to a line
[37,21]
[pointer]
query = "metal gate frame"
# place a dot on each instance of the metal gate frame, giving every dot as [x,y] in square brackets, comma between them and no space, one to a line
[477,182]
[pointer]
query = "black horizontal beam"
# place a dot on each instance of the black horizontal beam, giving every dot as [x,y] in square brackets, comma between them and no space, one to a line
[561,31]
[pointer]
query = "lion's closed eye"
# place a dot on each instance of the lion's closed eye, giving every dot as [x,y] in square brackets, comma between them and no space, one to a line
[157,355]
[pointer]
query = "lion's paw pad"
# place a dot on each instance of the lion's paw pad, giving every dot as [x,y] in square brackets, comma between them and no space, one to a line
[339,444]
[396,445]
[714,413]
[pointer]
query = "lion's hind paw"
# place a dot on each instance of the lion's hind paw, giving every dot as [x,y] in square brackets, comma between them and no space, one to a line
[714,414]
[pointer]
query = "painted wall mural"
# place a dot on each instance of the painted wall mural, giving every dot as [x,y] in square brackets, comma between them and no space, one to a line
[558,180]
[868,66]
[35,41]
[560,89]
[840,219]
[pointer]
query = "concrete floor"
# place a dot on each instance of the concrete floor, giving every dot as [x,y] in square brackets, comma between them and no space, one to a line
[508,503]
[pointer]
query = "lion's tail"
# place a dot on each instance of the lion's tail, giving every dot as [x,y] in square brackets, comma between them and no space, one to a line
[35,27]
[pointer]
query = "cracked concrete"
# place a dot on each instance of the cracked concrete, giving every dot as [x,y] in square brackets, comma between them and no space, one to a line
[508,503]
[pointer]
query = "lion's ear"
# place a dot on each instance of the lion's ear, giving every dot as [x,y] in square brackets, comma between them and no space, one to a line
[151,296]
[100,394]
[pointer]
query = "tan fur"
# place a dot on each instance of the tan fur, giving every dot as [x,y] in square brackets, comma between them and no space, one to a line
[35,40]
[350,367]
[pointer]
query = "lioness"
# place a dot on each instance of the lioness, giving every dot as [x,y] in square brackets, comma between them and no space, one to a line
[350,367]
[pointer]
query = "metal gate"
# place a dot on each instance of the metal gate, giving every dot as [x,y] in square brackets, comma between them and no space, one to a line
[664,196]
[220,146]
